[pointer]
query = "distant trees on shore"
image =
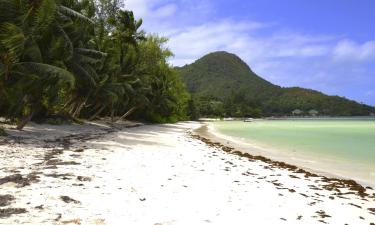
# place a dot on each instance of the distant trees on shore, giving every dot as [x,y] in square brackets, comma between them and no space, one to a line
[237,104]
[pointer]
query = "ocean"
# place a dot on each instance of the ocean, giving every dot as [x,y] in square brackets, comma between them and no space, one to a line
[341,146]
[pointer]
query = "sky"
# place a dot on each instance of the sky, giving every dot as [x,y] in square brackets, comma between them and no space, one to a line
[326,45]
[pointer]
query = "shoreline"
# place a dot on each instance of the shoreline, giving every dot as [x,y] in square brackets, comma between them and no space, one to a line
[208,131]
[161,174]
[336,182]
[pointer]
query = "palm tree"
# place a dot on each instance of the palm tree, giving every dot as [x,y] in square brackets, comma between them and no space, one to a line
[119,87]
[61,56]
[32,60]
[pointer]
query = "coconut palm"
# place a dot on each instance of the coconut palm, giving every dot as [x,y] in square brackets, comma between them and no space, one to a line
[33,60]
[64,56]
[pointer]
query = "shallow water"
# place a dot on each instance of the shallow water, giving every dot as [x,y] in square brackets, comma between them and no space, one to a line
[346,146]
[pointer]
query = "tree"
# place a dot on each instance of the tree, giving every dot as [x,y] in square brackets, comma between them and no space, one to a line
[30,77]
[162,86]
[83,59]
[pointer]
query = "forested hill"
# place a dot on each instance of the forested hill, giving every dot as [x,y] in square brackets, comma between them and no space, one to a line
[218,74]
[223,85]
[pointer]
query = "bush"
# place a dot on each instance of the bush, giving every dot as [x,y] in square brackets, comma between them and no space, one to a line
[2,132]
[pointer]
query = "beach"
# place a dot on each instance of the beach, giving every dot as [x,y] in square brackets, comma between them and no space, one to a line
[332,147]
[131,173]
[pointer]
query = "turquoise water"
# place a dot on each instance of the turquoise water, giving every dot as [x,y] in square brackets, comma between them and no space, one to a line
[347,141]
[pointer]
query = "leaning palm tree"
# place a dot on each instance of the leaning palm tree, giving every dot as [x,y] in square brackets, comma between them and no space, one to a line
[32,62]
[117,87]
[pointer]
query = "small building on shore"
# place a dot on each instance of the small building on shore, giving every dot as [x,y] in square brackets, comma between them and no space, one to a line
[313,112]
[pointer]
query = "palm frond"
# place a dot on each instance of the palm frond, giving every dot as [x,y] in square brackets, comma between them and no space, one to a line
[138,24]
[116,88]
[32,52]
[74,14]
[68,45]
[81,73]
[91,53]
[45,71]
[44,16]
[82,59]
[103,80]
[91,71]
[10,10]
[128,88]
[12,39]
[109,95]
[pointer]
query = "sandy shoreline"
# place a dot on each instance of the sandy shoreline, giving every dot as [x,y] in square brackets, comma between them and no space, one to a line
[322,166]
[158,174]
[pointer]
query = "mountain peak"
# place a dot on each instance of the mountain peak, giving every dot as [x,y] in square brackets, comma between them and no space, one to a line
[222,75]
[219,73]
[221,53]
[223,58]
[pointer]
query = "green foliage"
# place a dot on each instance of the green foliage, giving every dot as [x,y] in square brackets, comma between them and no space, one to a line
[83,59]
[162,86]
[2,132]
[224,86]
[74,14]
[12,40]
[45,15]
[193,110]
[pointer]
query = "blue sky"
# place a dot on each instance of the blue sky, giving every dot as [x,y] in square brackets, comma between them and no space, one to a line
[327,45]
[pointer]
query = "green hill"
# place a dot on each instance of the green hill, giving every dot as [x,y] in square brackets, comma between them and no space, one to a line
[223,85]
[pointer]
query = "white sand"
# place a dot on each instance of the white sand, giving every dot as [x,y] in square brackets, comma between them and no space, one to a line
[158,174]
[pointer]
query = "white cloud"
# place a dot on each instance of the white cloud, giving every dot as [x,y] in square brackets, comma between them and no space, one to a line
[242,39]
[153,10]
[190,43]
[347,50]
[165,11]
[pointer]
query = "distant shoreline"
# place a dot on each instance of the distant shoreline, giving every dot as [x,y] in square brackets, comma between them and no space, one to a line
[208,119]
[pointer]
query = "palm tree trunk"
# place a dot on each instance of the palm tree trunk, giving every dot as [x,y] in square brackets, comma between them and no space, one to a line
[25,120]
[97,113]
[79,109]
[127,113]
[73,107]
[67,104]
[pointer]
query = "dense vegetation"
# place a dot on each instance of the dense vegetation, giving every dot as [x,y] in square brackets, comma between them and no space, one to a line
[83,59]
[2,132]
[223,85]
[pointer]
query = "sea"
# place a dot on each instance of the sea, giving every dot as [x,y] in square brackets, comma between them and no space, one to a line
[343,147]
